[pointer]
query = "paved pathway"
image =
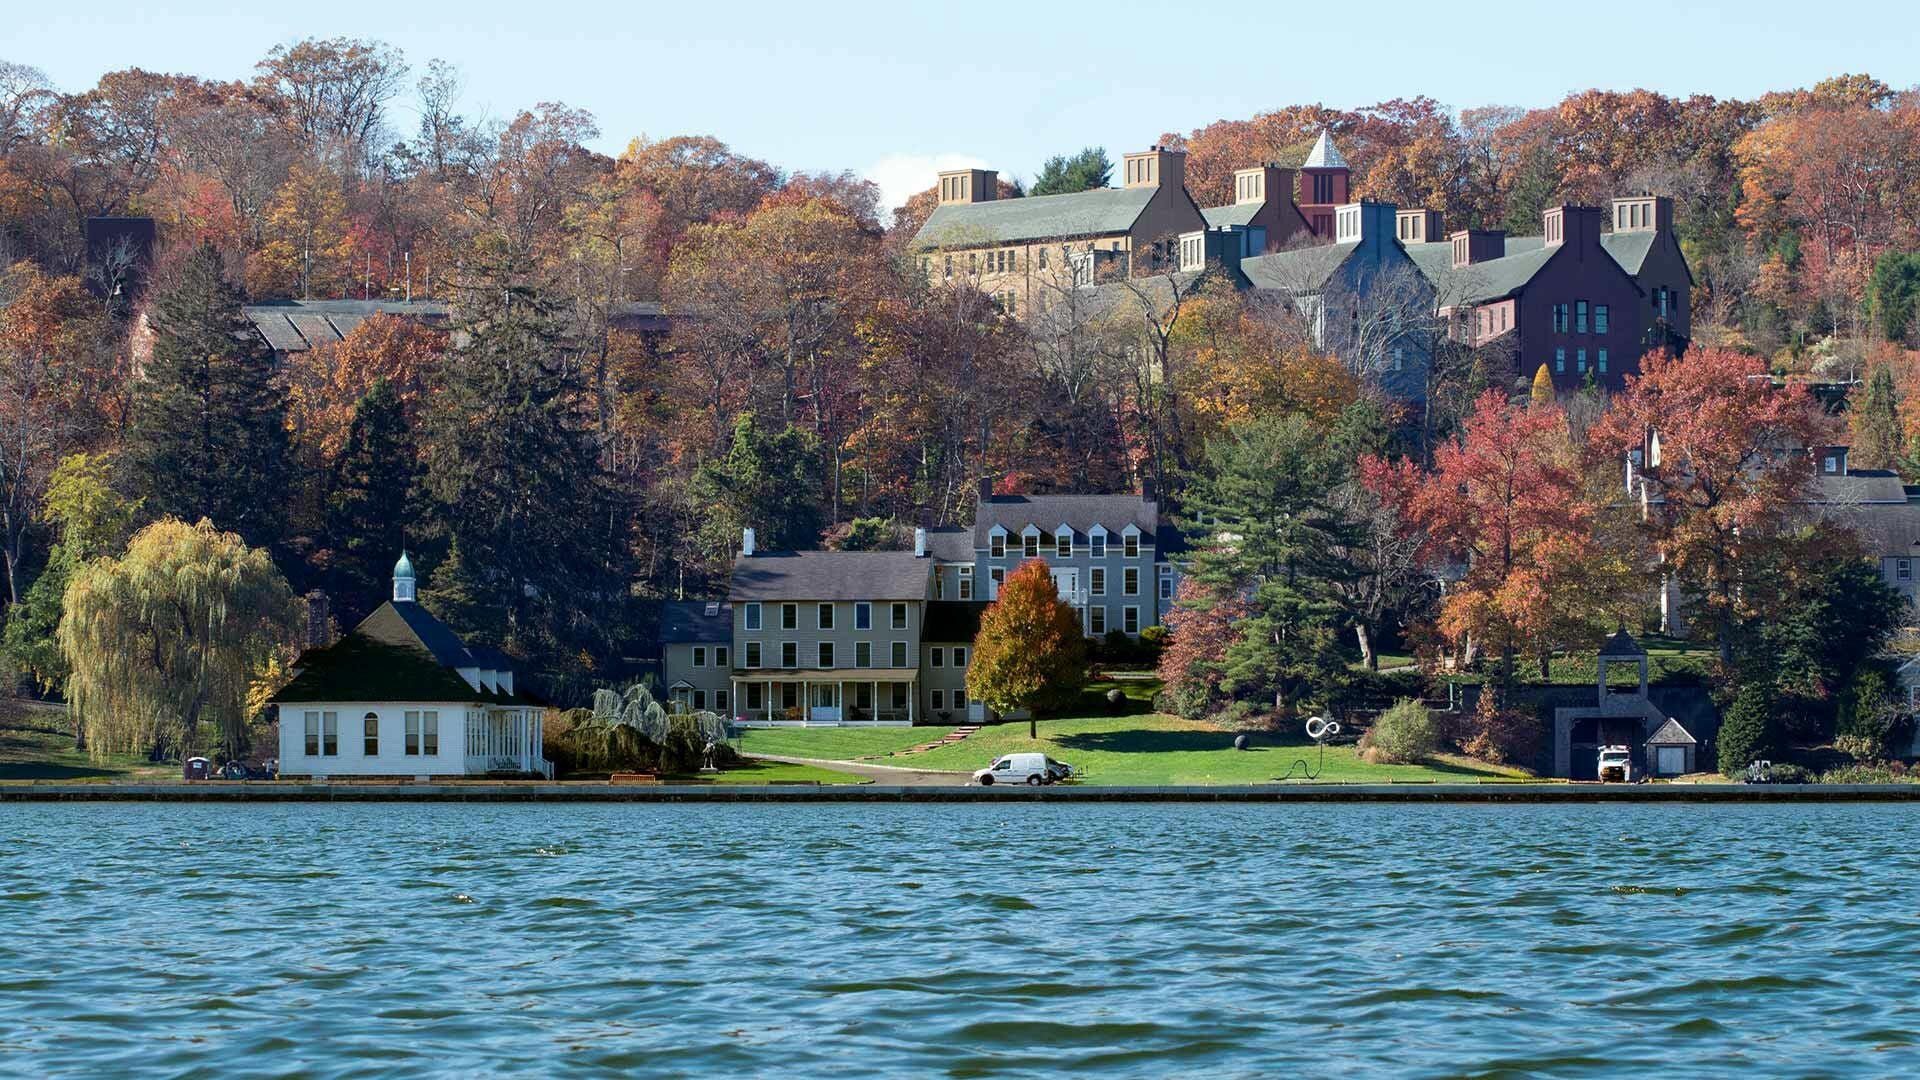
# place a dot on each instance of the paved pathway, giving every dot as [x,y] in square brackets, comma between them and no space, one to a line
[891,775]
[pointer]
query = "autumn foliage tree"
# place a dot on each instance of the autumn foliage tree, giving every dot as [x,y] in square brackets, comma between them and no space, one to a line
[1724,469]
[1030,653]
[1502,505]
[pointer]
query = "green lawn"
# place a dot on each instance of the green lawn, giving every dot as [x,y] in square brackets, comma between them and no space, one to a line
[1154,748]
[836,744]
[37,744]
[1670,662]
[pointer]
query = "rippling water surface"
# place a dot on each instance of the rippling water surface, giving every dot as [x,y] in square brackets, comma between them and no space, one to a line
[859,940]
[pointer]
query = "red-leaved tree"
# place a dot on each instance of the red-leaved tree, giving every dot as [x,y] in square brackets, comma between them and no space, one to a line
[1502,510]
[1030,653]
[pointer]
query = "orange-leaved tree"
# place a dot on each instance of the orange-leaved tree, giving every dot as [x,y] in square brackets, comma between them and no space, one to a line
[1030,653]
[1724,468]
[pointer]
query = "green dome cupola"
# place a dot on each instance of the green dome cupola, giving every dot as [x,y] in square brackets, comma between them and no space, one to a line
[403,580]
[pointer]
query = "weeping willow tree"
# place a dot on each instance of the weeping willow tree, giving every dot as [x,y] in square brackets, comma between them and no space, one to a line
[167,636]
[632,729]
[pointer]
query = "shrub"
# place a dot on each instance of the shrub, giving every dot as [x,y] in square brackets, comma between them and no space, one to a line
[1500,735]
[1861,774]
[1244,716]
[1787,773]
[1404,735]
[1866,715]
[1189,699]
[1747,733]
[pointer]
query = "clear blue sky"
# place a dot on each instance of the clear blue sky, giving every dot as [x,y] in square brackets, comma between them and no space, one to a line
[889,89]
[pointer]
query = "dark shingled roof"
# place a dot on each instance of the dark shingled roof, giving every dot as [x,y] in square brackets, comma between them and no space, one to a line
[1078,512]
[1496,278]
[696,621]
[398,653]
[1858,486]
[830,575]
[950,543]
[953,620]
[299,325]
[1099,212]
[1886,531]
[1621,644]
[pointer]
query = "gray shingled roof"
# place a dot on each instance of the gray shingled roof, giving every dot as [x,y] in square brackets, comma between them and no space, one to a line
[950,543]
[1492,279]
[1237,214]
[1300,270]
[1672,734]
[1100,212]
[830,575]
[1078,512]
[1858,486]
[683,621]
[1887,531]
[1324,154]
[1629,249]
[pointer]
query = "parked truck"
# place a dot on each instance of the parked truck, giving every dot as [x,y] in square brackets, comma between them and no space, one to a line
[1616,765]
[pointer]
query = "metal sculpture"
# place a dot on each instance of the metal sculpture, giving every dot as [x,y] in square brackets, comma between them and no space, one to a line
[1319,729]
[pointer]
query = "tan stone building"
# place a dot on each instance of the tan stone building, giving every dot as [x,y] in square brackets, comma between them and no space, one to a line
[1019,250]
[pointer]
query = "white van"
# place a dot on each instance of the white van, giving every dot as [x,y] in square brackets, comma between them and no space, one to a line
[1035,769]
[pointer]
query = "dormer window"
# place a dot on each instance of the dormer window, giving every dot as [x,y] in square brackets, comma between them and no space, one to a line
[997,543]
[1063,544]
[1131,544]
[1097,542]
[1030,543]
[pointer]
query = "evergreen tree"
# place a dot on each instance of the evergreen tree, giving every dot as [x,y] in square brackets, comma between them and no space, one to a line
[1893,290]
[1533,190]
[1877,441]
[466,600]
[209,435]
[1747,734]
[369,512]
[514,473]
[1063,175]
[769,482]
[1268,529]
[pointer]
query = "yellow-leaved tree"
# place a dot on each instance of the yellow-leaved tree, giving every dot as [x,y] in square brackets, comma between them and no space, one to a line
[168,637]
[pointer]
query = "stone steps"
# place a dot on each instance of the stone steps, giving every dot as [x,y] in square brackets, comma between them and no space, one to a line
[951,737]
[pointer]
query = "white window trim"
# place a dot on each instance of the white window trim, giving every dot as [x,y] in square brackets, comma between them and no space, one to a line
[1134,610]
[863,607]
[752,616]
[823,655]
[823,617]
[897,616]
[1059,534]
[997,542]
[1130,581]
[1130,542]
[1097,581]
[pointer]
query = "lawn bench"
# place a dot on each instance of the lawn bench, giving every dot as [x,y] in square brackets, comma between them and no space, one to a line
[633,778]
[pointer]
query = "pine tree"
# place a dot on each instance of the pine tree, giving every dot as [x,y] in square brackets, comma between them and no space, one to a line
[209,435]
[1542,387]
[1063,175]
[369,514]
[1270,485]
[1877,439]
[465,599]
[767,481]
[514,473]
[1747,733]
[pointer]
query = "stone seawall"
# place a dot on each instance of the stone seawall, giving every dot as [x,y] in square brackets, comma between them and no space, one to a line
[535,791]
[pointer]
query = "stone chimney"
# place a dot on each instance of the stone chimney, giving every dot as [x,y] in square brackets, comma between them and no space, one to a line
[1643,213]
[1418,227]
[1477,246]
[746,543]
[969,186]
[1262,183]
[1578,226]
[1156,166]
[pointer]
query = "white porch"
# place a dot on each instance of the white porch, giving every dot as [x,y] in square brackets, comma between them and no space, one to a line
[824,699]
[506,739]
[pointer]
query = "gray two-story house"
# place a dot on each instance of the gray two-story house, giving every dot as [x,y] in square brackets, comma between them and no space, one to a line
[828,636]
[1110,555]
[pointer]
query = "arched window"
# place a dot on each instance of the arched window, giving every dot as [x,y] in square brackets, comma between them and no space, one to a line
[372,727]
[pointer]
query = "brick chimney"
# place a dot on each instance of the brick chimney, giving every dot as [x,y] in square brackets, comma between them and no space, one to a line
[1478,245]
[1643,213]
[1575,225]
[969,186]
[1418,227]
[1262,183]
[320,628]
[985,488]
[1156,166]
